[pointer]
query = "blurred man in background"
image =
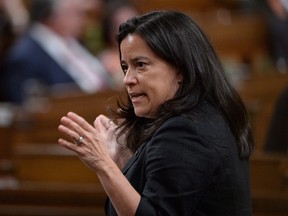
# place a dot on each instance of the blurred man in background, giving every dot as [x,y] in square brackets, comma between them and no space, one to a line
[50,56]
[277,19]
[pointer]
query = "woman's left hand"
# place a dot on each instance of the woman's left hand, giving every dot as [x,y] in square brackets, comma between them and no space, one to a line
[87,142]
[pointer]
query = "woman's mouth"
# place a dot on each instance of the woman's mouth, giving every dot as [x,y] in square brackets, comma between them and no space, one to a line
[136,96]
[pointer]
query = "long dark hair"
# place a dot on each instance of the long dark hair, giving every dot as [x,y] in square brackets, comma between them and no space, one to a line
[178,40]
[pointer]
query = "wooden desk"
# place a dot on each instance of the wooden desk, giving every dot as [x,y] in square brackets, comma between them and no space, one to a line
[53,199]
[41,127]
[37,155]
[259,94]
[269,184]
[55,177]
[50,163]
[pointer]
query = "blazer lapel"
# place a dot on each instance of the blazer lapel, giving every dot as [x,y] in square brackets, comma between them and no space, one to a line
[133,159]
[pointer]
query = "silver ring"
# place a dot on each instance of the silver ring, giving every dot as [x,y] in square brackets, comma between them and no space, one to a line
[80,140]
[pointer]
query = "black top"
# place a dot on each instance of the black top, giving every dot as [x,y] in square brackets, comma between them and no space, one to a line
[190,167]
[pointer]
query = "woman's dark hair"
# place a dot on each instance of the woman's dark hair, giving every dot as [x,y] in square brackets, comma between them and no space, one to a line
[178,40]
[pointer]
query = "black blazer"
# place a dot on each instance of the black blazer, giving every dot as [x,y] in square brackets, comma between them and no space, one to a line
[190,167]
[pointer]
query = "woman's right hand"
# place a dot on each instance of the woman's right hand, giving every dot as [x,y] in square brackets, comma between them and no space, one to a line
[117,150]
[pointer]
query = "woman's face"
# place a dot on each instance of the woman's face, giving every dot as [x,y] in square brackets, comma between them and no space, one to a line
[149,80]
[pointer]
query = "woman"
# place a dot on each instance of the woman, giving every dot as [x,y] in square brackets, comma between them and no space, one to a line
[183,139]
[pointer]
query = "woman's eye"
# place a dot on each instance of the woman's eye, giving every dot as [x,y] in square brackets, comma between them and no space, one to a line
[124,68]
[140,64]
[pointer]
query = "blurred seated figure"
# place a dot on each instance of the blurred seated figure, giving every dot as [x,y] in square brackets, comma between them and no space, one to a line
[277,138]
[277,18]
[13,21]
[50,54]
[17,14]
[116,13]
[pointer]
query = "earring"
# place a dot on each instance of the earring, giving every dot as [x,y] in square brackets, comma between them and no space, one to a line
[179,82]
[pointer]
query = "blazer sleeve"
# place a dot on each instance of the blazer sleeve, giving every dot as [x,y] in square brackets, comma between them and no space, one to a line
[179,167]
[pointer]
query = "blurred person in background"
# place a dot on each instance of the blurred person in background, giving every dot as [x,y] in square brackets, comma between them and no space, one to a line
[17,14]
[276,12]
[92,35]
[50,54]
[14,19]
[116,12]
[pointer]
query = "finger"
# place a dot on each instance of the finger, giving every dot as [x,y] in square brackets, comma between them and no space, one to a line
[105,121]
[99,126]
[79,150]
[69,133]
[78,136]
[71,127]
[80,121]
[100,120]
[69,145]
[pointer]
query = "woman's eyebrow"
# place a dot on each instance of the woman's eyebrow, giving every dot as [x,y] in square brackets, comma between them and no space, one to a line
[136,59]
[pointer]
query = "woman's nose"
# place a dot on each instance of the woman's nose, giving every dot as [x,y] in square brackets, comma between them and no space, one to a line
[129,77]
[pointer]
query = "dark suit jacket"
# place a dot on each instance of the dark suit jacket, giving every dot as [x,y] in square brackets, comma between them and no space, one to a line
[190,167]
[27,60]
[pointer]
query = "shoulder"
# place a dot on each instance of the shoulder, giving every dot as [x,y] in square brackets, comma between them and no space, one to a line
[26,41]
[204,121]
[177,123]
[23,49]
[178,147]
[205,131]
[177,135]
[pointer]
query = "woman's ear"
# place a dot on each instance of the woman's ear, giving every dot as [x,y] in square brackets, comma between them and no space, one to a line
[180,78]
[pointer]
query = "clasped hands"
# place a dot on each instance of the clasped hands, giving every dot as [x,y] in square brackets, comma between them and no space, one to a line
[97,146]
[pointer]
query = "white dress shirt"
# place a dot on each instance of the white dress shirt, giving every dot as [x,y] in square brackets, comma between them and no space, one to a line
[85,69]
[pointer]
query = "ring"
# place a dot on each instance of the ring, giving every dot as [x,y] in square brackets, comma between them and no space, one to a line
[79,140]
